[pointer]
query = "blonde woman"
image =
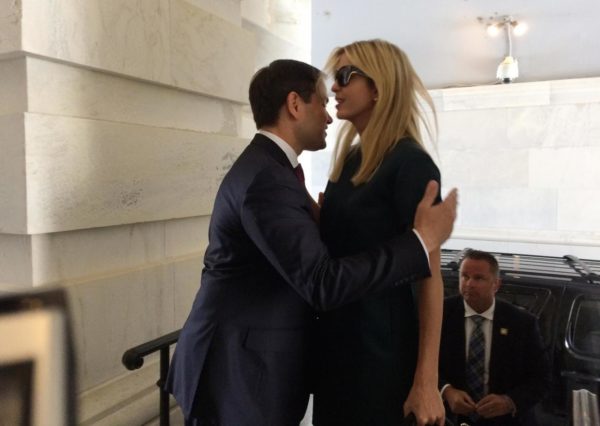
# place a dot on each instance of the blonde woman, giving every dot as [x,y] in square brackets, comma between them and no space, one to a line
[378,357]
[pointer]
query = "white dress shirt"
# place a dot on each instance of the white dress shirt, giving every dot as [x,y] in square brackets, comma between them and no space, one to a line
[486,327]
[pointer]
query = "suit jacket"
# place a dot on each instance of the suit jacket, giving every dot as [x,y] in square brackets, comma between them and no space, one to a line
[242,355]
[367,350]
[518,364]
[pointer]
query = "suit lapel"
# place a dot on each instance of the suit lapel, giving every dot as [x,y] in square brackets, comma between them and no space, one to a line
[500,335]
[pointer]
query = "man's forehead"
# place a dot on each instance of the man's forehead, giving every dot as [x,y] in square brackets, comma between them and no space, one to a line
[479,265]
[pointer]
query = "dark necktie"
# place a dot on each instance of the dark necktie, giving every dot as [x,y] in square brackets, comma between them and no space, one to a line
[299,173]
[476,360]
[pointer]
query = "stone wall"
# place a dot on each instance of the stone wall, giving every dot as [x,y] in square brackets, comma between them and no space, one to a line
[118,120]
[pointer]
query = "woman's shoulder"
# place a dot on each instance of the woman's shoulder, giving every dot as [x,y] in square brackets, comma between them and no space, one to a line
[409,150]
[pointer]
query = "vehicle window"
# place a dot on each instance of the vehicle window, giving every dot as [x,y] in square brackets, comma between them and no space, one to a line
[537,301]
[585,327]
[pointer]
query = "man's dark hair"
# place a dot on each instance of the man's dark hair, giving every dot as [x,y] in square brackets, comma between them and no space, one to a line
[271,85]
[485,256]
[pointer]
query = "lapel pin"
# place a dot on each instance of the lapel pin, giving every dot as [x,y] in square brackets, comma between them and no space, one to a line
[504,331]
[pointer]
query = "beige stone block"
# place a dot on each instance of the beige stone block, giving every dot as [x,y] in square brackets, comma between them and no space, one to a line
[129,399]
[186,283]
[550,126]
[63,256]
[15,262]
[10,26]
[184,237]
[208,54]
[473,129]
[256,11]
[579,210]
[63,89]
[270,47]
[89,173]
[573,168]
[575,91]
[594,122]
[172,42]
[114,313]
[228,10]
[13,191]
[493,168]
[126,37]
[497,96]
[13,92]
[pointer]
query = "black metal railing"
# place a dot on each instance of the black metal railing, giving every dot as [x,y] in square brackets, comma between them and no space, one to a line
[134,358]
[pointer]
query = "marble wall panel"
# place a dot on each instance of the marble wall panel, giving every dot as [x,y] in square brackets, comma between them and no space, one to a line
[594,130]
[502,208]
[208,54]
[13,191]
[114,313]
[580,90]
[63,89]
[173,42]
[551,126]
[497,96]
[125,37]
[13,94]
[485,169]
[62,256]
[10,26]
[186,282]
[89,173]
[229,10]
[565,168]
[186,236]
[270,47]
[256,11]
[579,210]
[15,262]
[472,130]
[104,404]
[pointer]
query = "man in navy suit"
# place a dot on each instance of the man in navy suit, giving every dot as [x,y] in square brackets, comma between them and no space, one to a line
[243,354]
[514,373]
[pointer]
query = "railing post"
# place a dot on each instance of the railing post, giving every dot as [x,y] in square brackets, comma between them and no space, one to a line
[164,395]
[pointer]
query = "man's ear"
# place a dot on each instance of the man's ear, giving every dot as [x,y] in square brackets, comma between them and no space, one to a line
[292,103]
[497,284]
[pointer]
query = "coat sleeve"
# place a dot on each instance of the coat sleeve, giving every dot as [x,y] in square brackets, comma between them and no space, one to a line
[276,215]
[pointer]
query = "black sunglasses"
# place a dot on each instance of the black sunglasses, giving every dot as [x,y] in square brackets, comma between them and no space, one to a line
[345,73]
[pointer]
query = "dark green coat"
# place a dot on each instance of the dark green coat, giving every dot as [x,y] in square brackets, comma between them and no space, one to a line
[366,351]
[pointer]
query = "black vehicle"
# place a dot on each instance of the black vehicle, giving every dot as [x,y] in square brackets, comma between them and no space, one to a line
[564,293]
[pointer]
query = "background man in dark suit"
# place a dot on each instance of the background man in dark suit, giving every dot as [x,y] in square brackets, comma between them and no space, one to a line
[497,379]
[242,355]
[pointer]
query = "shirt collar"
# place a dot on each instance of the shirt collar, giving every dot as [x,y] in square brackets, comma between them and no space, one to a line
[285,147]
[487,314]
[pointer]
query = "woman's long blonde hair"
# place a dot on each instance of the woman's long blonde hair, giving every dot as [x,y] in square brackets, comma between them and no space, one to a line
[397,112]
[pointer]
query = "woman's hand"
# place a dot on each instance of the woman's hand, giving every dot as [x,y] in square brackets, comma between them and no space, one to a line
[425,402]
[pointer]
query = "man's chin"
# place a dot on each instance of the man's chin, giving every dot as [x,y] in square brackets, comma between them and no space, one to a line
[317,148]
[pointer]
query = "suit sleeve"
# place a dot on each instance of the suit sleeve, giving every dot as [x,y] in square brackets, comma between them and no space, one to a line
[535,381]
[276,215]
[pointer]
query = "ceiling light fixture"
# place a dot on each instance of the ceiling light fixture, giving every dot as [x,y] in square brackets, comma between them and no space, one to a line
[508,70]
